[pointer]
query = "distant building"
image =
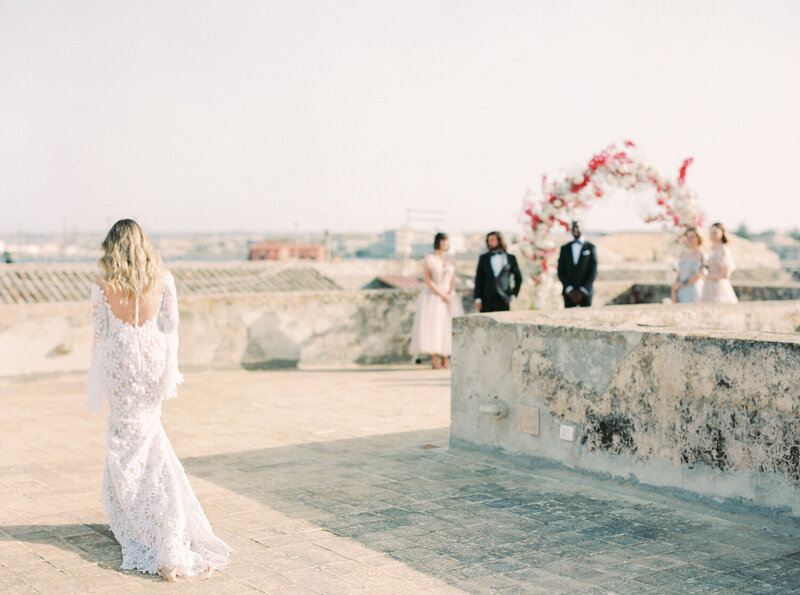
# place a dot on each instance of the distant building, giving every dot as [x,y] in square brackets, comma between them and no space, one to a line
[785,246]
[286,251]
[474,243]
[407,243]
[349,245]
[411,243]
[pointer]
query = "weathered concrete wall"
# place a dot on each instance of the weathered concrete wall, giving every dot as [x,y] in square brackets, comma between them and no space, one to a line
[656,293]
[329,328]
[653,395]
[665,273]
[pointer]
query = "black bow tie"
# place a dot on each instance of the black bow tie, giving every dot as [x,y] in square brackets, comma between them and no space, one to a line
[496,252]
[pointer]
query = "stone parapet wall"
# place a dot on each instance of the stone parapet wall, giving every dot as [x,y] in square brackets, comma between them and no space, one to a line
[303,329]
[662,273]
[656,293]
[695,400]
[259,330]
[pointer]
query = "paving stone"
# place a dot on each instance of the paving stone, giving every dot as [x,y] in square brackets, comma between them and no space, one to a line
[658,562]
[319,482]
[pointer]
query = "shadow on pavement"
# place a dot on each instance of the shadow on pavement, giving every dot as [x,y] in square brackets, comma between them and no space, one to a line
[473,524]
[93,543]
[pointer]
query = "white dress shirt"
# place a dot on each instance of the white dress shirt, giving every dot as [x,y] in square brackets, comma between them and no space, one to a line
[577,246]
[498,261]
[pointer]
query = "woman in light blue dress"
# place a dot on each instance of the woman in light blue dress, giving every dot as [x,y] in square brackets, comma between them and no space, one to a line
[688,286]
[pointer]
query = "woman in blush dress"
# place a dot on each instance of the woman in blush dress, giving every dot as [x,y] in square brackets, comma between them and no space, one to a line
[437,305]
[688,285]
[152,510]
[719,265]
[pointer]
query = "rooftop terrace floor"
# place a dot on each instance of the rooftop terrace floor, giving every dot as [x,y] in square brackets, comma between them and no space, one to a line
[342,482]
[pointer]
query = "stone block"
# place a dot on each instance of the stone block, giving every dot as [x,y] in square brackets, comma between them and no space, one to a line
[528,420]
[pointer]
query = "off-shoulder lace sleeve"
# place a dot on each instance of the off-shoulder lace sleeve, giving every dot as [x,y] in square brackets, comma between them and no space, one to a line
[168,321]
[94,382]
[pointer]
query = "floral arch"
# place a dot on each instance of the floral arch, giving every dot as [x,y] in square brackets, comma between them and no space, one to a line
[563,199]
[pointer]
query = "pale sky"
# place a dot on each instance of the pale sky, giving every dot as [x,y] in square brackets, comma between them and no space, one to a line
[259,115]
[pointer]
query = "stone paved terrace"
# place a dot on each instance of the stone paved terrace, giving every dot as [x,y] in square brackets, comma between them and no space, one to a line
[342,482]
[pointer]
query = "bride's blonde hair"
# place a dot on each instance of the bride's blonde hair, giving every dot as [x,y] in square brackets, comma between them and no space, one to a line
[130,264]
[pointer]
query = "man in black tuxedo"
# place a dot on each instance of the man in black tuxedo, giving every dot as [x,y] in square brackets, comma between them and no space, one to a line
[496,268]
[577,269]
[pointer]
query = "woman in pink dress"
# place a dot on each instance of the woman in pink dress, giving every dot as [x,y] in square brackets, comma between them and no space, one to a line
[719,265]
[437,305]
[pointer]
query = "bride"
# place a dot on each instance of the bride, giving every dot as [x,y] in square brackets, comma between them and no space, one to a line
[151,508]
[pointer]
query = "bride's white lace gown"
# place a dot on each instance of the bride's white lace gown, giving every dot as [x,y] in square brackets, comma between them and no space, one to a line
[151,508]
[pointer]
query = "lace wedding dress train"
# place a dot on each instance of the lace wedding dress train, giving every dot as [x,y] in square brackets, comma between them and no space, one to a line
[151,507]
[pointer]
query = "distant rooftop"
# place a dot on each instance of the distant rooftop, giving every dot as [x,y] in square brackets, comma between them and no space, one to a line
[411,282]
[398,282]
[30,284]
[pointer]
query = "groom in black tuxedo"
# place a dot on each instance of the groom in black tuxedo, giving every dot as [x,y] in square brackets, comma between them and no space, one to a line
[577,269]
[496,269]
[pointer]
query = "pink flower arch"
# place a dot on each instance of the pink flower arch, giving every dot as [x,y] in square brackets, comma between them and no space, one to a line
[561,200]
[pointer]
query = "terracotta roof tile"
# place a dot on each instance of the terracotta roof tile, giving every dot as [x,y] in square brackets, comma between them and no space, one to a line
[401,281]
[36,283]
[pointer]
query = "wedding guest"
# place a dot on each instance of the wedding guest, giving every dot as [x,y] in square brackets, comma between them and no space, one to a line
[719,266]
[497,268]
[688,285]
[577,269]
[437,305]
